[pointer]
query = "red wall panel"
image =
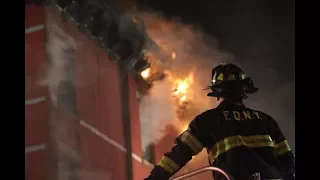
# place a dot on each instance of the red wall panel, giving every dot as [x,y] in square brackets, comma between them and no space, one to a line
[110,98]
[87,84]
[36,165]
[97,88]
[37,114]
[65,127]
[35,39]
[100,159]
[134,117]
[36,123]
[35,60]
[34,71]
[34,15]
[98,95]
[140,170]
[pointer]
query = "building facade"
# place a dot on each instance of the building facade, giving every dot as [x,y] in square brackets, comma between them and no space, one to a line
[36,96]
[86,142]
[86,125]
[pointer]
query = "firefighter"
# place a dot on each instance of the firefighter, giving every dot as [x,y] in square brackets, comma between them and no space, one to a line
[240,140]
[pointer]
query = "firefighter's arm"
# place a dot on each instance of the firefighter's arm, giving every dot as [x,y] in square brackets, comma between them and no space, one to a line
[187,144]
[283,150]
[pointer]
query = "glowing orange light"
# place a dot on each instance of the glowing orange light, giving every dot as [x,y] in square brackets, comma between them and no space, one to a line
[146,73]
[183,98]
[173,55]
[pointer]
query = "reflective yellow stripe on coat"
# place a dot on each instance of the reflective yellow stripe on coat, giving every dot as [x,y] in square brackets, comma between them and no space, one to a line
[168,165]
[282,147]
[237,141]
[191,141]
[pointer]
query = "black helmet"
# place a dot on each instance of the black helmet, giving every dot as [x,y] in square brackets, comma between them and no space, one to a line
[228,80]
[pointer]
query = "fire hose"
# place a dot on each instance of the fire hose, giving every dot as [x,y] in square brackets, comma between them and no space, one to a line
[201,170]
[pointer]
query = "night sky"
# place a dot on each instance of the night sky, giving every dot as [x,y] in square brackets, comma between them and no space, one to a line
[261,36]
[253,30]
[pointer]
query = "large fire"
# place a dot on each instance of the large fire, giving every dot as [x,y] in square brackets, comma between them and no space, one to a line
[173,60]
[181,88]
[167,36]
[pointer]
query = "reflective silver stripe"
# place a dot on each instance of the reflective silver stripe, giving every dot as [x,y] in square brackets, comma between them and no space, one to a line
[34,29]
[34,100]
[34,148]
[113,142]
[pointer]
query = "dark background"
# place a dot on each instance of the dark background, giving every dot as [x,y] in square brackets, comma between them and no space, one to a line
[261,36]
[253,30]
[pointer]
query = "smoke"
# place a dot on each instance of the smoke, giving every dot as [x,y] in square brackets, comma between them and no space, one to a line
[198,53]
[61,49]
[194,53]
[59,46]
[156,111]
[64,124]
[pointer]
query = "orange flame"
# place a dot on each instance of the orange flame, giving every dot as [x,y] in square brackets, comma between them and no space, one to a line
[183,98]
[182,87]
[146,73]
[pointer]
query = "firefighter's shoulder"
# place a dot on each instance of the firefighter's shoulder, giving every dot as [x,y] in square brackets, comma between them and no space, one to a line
[208,113]
[205,117]
[262,115]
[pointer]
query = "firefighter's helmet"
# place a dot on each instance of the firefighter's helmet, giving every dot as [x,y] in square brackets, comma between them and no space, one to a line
[228,80]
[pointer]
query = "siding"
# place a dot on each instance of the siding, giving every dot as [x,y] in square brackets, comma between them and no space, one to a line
[92,139]
[36,96]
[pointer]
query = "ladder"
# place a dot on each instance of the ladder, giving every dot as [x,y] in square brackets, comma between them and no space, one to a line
[201,170]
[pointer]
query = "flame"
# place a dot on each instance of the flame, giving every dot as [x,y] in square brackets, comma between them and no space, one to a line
[183,98]
[182,86]
[146,73]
